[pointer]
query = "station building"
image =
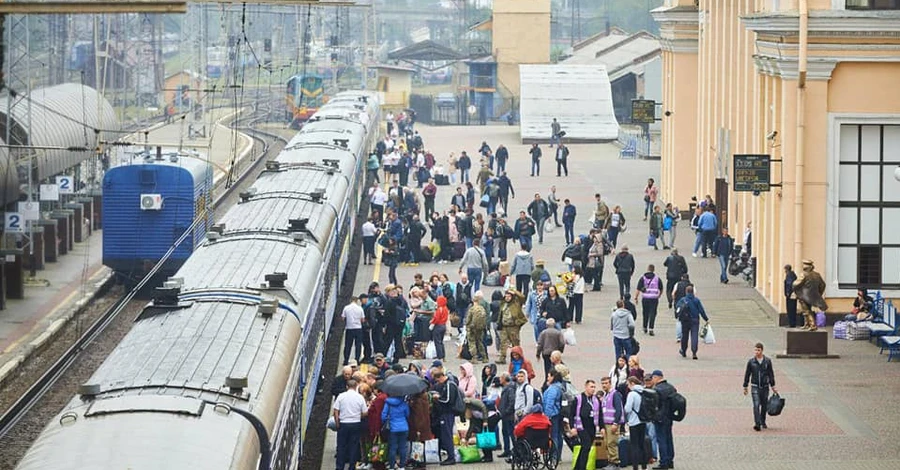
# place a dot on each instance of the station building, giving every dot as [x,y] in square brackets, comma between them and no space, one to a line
[813,84]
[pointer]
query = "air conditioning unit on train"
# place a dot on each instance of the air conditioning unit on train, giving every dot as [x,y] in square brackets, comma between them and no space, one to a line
[151,202]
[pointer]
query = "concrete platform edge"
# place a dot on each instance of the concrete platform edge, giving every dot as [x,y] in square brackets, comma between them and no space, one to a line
[98,287]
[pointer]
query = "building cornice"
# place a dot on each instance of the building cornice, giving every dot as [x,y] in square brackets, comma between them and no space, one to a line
[679,28]
[840,23]
[680,15]
[787,68]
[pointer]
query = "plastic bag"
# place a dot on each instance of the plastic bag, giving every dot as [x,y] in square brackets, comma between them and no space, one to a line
[592,457]
[332,424]
[776,404]
[570,337]
[710,337]
[820,319]
[417,452]
[432,451]
[679,330]
[470,454]
[486,440]
[430,350]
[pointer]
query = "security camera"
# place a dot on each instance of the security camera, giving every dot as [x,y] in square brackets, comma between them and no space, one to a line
[772,135]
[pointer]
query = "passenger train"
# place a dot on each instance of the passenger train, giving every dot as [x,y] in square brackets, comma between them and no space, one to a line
[220,370]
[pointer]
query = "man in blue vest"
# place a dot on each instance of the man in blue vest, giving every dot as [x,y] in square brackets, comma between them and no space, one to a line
[649,289]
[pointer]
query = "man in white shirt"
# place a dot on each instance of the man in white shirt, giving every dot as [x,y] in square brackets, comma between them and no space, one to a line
[349,409]
[377,199]
[524,394]
[353,316]
[369,233]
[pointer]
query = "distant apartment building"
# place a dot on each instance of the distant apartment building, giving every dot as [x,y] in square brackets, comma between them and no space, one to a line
[814,84]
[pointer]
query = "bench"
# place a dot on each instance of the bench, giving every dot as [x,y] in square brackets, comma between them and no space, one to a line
[888,336]
[629,150]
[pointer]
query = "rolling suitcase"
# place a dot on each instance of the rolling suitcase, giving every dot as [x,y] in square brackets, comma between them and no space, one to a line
[625,451]
[459,249]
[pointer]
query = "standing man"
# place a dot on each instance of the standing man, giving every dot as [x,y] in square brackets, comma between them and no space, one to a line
[475,263]
[429,192]
[506,188]
[464,164]
[510,322]
[548,341]
[624,265]
[708,224]
[663,423]
[442,400]
[586,418]
[676,267]
[502,156]
[789,277]
[637,429]
[349,410]
[524,229]
[521,267]
[377,199]
[690,320]
[539,211]
[613,419]
[569,214]
[555,129]
[354,316]
[601,213]
[760,376]
[369,233]
[622,325]
[553,204]
[562,160]
[507,410]
[414,233]
[535,160]
[476,325]
[649,289]
[464,293]
[722,248]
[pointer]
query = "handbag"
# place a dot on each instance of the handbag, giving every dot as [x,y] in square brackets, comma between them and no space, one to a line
[651,240]
[486,440]
[485,201]
[454,320]
[776,404]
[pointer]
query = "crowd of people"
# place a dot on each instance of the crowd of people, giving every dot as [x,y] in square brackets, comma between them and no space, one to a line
[384,327]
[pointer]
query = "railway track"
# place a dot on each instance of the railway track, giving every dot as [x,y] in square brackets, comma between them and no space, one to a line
[51,378]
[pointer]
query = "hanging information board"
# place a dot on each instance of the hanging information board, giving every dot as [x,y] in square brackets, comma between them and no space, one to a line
[752,173]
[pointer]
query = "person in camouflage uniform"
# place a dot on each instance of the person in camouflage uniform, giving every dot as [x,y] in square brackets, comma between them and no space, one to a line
[510,322]
[476,325]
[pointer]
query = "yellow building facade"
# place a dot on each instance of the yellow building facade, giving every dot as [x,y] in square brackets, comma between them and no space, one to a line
[520,35]
[815,84]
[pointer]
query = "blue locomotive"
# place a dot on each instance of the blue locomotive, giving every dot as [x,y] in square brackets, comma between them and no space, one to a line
[150,202]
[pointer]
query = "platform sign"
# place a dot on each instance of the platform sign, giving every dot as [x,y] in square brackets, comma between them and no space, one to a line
[65,184]
[752,173]
[14,223]
[643,111]
[30,210]
[49,192]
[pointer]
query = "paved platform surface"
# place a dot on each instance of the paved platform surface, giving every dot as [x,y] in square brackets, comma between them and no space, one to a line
[840,414]
[75,278]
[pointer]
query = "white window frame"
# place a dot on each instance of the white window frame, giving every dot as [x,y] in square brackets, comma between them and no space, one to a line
[835,121]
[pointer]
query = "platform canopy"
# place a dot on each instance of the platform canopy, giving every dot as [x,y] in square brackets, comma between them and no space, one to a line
[425,51]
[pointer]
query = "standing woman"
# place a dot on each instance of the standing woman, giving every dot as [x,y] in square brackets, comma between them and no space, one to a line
[470,195]
[597,260]
[670,223]
[619,375]
[390,255]
[651,192]
[451,164]
[555,307]
[791,299]
[615,225]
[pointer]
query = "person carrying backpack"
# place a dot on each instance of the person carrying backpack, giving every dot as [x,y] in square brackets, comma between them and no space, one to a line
[637,411]
[446,396]
[670,408]
[688,311]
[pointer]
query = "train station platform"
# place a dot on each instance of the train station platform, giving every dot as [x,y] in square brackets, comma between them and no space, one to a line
[840,413]
[71,281]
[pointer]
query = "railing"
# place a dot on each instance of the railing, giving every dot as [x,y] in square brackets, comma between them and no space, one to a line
[643,149]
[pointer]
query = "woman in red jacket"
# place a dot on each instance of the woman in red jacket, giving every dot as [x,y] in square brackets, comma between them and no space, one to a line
[517,361]
[438,326]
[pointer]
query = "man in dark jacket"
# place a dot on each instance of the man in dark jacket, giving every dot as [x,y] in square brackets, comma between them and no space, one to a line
[722,248]
[791,299]
[535,160]
[624,264]
[414,233]
[760,375]
[676,266]
[568,217]
[502,155]
[506,189]
[663,423]
[442,394]
[539,210]
[690,324]
[507,409]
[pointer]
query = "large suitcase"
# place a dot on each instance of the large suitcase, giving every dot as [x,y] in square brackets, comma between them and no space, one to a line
[459,249]
[625,451]
[425,255]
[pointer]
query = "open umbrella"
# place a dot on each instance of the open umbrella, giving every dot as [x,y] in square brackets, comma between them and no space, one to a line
[404,384]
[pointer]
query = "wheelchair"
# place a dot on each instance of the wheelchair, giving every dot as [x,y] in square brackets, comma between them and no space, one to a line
[534,451]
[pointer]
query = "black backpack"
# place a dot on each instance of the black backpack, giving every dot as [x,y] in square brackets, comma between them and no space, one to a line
[447,292]
[683,310]
[456,400]
[649,410]
[677,407]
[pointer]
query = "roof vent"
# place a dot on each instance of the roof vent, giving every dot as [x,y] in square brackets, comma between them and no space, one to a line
[178,281]
[343,143]
[218,228]
[267,308]
[166,295]
[276,280]
[88,390]
[364,99]
[213,236]
[298,225]
[317,195]
[298,237]
[272,165]
[236,384]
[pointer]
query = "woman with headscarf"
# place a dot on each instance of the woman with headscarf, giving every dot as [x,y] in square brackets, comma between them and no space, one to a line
[468,383]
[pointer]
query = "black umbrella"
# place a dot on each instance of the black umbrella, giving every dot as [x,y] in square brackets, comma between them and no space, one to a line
[404,384]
